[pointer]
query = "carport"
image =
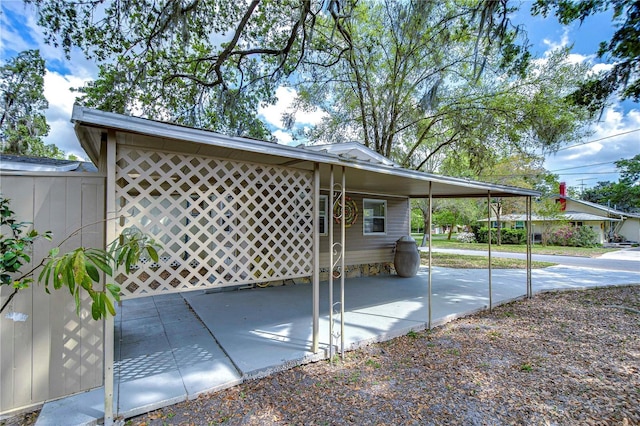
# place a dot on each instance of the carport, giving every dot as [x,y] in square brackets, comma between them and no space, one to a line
[232,211]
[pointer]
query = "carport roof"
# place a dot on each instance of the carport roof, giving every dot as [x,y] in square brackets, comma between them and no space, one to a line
[362,175]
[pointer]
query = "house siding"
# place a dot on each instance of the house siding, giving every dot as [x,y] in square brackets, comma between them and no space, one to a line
[370,249]
[630,229]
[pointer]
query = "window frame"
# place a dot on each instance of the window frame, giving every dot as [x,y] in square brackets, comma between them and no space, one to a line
[323,215]
[365,218]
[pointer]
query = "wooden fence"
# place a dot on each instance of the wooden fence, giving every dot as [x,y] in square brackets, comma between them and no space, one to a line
[52,352]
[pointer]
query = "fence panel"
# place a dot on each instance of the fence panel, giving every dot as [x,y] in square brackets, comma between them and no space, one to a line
[53,353]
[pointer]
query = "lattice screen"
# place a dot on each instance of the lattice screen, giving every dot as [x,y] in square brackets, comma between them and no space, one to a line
[220,222]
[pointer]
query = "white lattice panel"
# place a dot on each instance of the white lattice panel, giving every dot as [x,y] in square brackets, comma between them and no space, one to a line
[220,222]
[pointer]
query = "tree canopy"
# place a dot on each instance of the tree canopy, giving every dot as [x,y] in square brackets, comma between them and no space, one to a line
[623,195]
[406,80]
[623,50]
[23,125]
[204,63]
[417,81]
[211,63]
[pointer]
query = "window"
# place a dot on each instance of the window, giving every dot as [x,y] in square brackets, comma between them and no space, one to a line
[323,226]
[374,216]
[519,224]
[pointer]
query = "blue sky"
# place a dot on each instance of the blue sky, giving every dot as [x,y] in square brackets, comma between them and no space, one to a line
[615,136]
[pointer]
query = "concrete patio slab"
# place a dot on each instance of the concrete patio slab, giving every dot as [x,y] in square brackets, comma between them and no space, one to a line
[82,409]
[166,351]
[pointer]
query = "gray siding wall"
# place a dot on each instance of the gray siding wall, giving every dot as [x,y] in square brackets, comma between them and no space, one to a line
[54,352]
[363,249]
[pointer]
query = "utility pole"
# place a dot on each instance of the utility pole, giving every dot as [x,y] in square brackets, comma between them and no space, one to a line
[582,185]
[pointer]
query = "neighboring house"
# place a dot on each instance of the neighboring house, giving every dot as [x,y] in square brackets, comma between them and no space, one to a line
[613,224]
[228,211]
[609,224]
[538,223]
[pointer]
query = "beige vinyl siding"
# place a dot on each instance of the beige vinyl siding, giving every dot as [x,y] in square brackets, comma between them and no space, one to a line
[363,249]
[54,352]
[630,229]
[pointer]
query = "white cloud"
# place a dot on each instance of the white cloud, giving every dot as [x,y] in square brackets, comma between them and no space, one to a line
[601,67]
[272,114]
[22,32]
[616,136]
[283,137]
[555,45]
[61,99]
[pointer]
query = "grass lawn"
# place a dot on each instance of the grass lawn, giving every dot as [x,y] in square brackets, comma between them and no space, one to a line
[440,241]
[448,260]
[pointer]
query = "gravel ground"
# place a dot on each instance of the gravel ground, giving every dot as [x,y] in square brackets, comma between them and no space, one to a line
[558,359]
[561,358]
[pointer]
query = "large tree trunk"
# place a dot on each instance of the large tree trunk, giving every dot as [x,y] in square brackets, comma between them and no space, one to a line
[427,232]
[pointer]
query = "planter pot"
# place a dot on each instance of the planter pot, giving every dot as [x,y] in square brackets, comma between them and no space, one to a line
[407,258]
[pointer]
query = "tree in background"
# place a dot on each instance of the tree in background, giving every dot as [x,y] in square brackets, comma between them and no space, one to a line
[211,64]
[452,213]
[623,195]
[623,50]
[407,80]
[521,171]
[551,215]
[23,124]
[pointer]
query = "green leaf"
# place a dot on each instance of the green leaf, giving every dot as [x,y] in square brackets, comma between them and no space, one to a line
[92,272]
[152,253]
[58,274]
[109,305]
[45,273]
[87,284]
[67,270]
[100,263]
[114,290]
[79,271]
[54,252]
[131,260]
[121,255]
[76,295]
[8,256]
[95,311]
[22,284]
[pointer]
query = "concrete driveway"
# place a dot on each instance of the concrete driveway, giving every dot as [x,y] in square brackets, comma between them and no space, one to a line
[621,260]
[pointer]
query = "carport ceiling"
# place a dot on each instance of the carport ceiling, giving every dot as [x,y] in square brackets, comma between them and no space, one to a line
[361,176]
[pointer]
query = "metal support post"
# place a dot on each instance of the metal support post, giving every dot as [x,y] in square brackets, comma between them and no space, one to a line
[331,261]
[316,259]
[529,246]
[489,237]
[110,235]
[430,246]
[342,255]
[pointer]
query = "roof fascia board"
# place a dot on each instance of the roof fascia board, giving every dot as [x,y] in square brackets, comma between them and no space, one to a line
[96,118]
[598,206]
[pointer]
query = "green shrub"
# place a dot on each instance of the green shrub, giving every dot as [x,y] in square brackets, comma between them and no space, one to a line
[508,236]
[570,236]
[483,237]
[514,236]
